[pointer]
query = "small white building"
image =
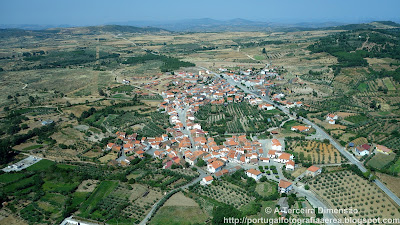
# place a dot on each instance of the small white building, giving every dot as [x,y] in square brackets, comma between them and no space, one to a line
[313,171]
[207,180]
[255,174]
[215,166]
[276,145]
[290,165]
[284,186]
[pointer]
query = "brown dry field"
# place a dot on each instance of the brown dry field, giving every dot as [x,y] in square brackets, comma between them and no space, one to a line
[108,157]
[326,150]
[137,191]
[10,219]
[393,183]
[89,188]
[179,199]
[298,171]
[92,154]
[344,114]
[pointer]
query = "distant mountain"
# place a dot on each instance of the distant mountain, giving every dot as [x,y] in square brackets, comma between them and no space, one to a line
[238,24]
[205,25]
[371,25]
[13,32]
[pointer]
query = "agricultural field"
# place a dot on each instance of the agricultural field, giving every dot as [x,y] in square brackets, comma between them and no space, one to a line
[226,193]
[237,118]
[315,152]
[266,188]
[391,182]
[344,189]
[379,160]
[179,209]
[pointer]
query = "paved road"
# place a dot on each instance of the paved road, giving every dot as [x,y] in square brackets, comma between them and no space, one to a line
[319,131]
[23,164]
[315,202]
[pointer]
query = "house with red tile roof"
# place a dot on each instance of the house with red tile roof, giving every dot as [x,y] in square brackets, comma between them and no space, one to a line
[276,145]
[215,166]
[313,171]
[284,157]
[300,128]
[284,186]
[290,165]
[207,180]
[255,174]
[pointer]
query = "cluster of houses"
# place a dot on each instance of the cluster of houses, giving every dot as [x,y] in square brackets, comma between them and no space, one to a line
[331,118]
[186,141]
[361,147]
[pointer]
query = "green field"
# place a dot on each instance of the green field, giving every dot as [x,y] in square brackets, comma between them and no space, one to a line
[362,87]
[19,185]
[389,85]
[380,160]
[78,198]
[66,167]
[356,119]
[259,57]
[384,113]
[171,215]
[42,165]
[54,199]
[395,168]
[262,213]
[32,147]
[103,190]
[61,187]
[10,177]
[266,188]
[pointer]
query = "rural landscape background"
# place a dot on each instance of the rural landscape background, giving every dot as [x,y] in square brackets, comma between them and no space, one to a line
[165,119]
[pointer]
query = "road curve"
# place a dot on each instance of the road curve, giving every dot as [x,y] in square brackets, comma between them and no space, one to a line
[345,153]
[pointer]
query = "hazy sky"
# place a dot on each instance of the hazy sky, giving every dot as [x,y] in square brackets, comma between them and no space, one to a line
[94,12]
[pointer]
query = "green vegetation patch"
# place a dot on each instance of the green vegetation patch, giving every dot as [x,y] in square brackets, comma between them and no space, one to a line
[103,190]
[61,187]
[42,165]
[357,119]
[10,177]
[362,87]
[169,63]
[66,167]
[78,198]
[54,199]
[32,147]
[381,160]
[266,188]
[19,185]
[395,168]
[389,85]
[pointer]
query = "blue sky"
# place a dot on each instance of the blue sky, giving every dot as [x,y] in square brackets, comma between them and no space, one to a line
[95,12]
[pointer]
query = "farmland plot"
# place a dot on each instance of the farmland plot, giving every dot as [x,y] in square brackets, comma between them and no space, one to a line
[345,189]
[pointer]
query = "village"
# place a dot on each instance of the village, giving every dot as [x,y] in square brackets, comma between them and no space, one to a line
[186,144]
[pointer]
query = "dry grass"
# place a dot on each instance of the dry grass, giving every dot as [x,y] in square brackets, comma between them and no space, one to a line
[179,199]
[320,153]
[108,157]
[393,183]
[87,186]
